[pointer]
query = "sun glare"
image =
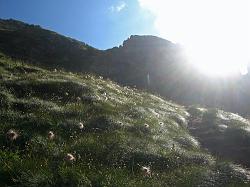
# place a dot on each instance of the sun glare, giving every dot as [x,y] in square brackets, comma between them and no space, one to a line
[215,33]
[217,59]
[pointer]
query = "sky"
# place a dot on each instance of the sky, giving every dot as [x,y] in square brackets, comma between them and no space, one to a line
[215,33]
[100,23]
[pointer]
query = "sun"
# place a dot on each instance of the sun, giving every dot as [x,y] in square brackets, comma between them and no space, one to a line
[214,33]
[217,59]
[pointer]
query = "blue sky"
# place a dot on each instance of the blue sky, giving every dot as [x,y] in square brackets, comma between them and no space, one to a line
[214,33]
[100,23]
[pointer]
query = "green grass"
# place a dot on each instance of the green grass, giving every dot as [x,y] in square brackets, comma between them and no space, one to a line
[114,144]
[225,134]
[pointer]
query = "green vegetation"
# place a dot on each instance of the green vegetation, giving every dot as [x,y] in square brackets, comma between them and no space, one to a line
[147,62]
[225,134]
[123,130]
[35,45]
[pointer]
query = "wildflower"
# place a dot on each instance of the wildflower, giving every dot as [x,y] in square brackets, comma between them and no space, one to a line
[146,125]
[51,135]
[66,93]
[146,171]
[78,99]
[80,125]
[69,157]
[161,123]
[12,135]
[55,70]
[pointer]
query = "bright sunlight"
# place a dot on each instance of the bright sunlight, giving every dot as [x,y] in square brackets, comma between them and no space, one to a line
[215,33]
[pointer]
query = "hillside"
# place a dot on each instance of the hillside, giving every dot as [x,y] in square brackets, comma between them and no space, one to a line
[146,62]
[60,128]
[35,45]
[159,66]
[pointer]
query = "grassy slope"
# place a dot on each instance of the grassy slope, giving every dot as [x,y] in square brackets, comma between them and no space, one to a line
[114,144]
[225,134]
[40,46]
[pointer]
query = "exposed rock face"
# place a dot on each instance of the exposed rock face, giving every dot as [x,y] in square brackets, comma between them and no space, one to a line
[144,42]
[139,59]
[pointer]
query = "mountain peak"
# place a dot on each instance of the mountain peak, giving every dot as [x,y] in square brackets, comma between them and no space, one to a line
[146,40]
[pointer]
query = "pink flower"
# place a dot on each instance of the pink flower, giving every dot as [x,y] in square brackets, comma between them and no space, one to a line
[146,171]
[51,135]
[12,135]
[80,125]
[69,157]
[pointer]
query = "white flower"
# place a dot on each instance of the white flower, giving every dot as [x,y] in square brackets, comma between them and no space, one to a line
[80,125]
[69,157]
[55,70]
[146,125]
[12,135]
[66,93]
[51,135]
[146,171]
[78,99]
